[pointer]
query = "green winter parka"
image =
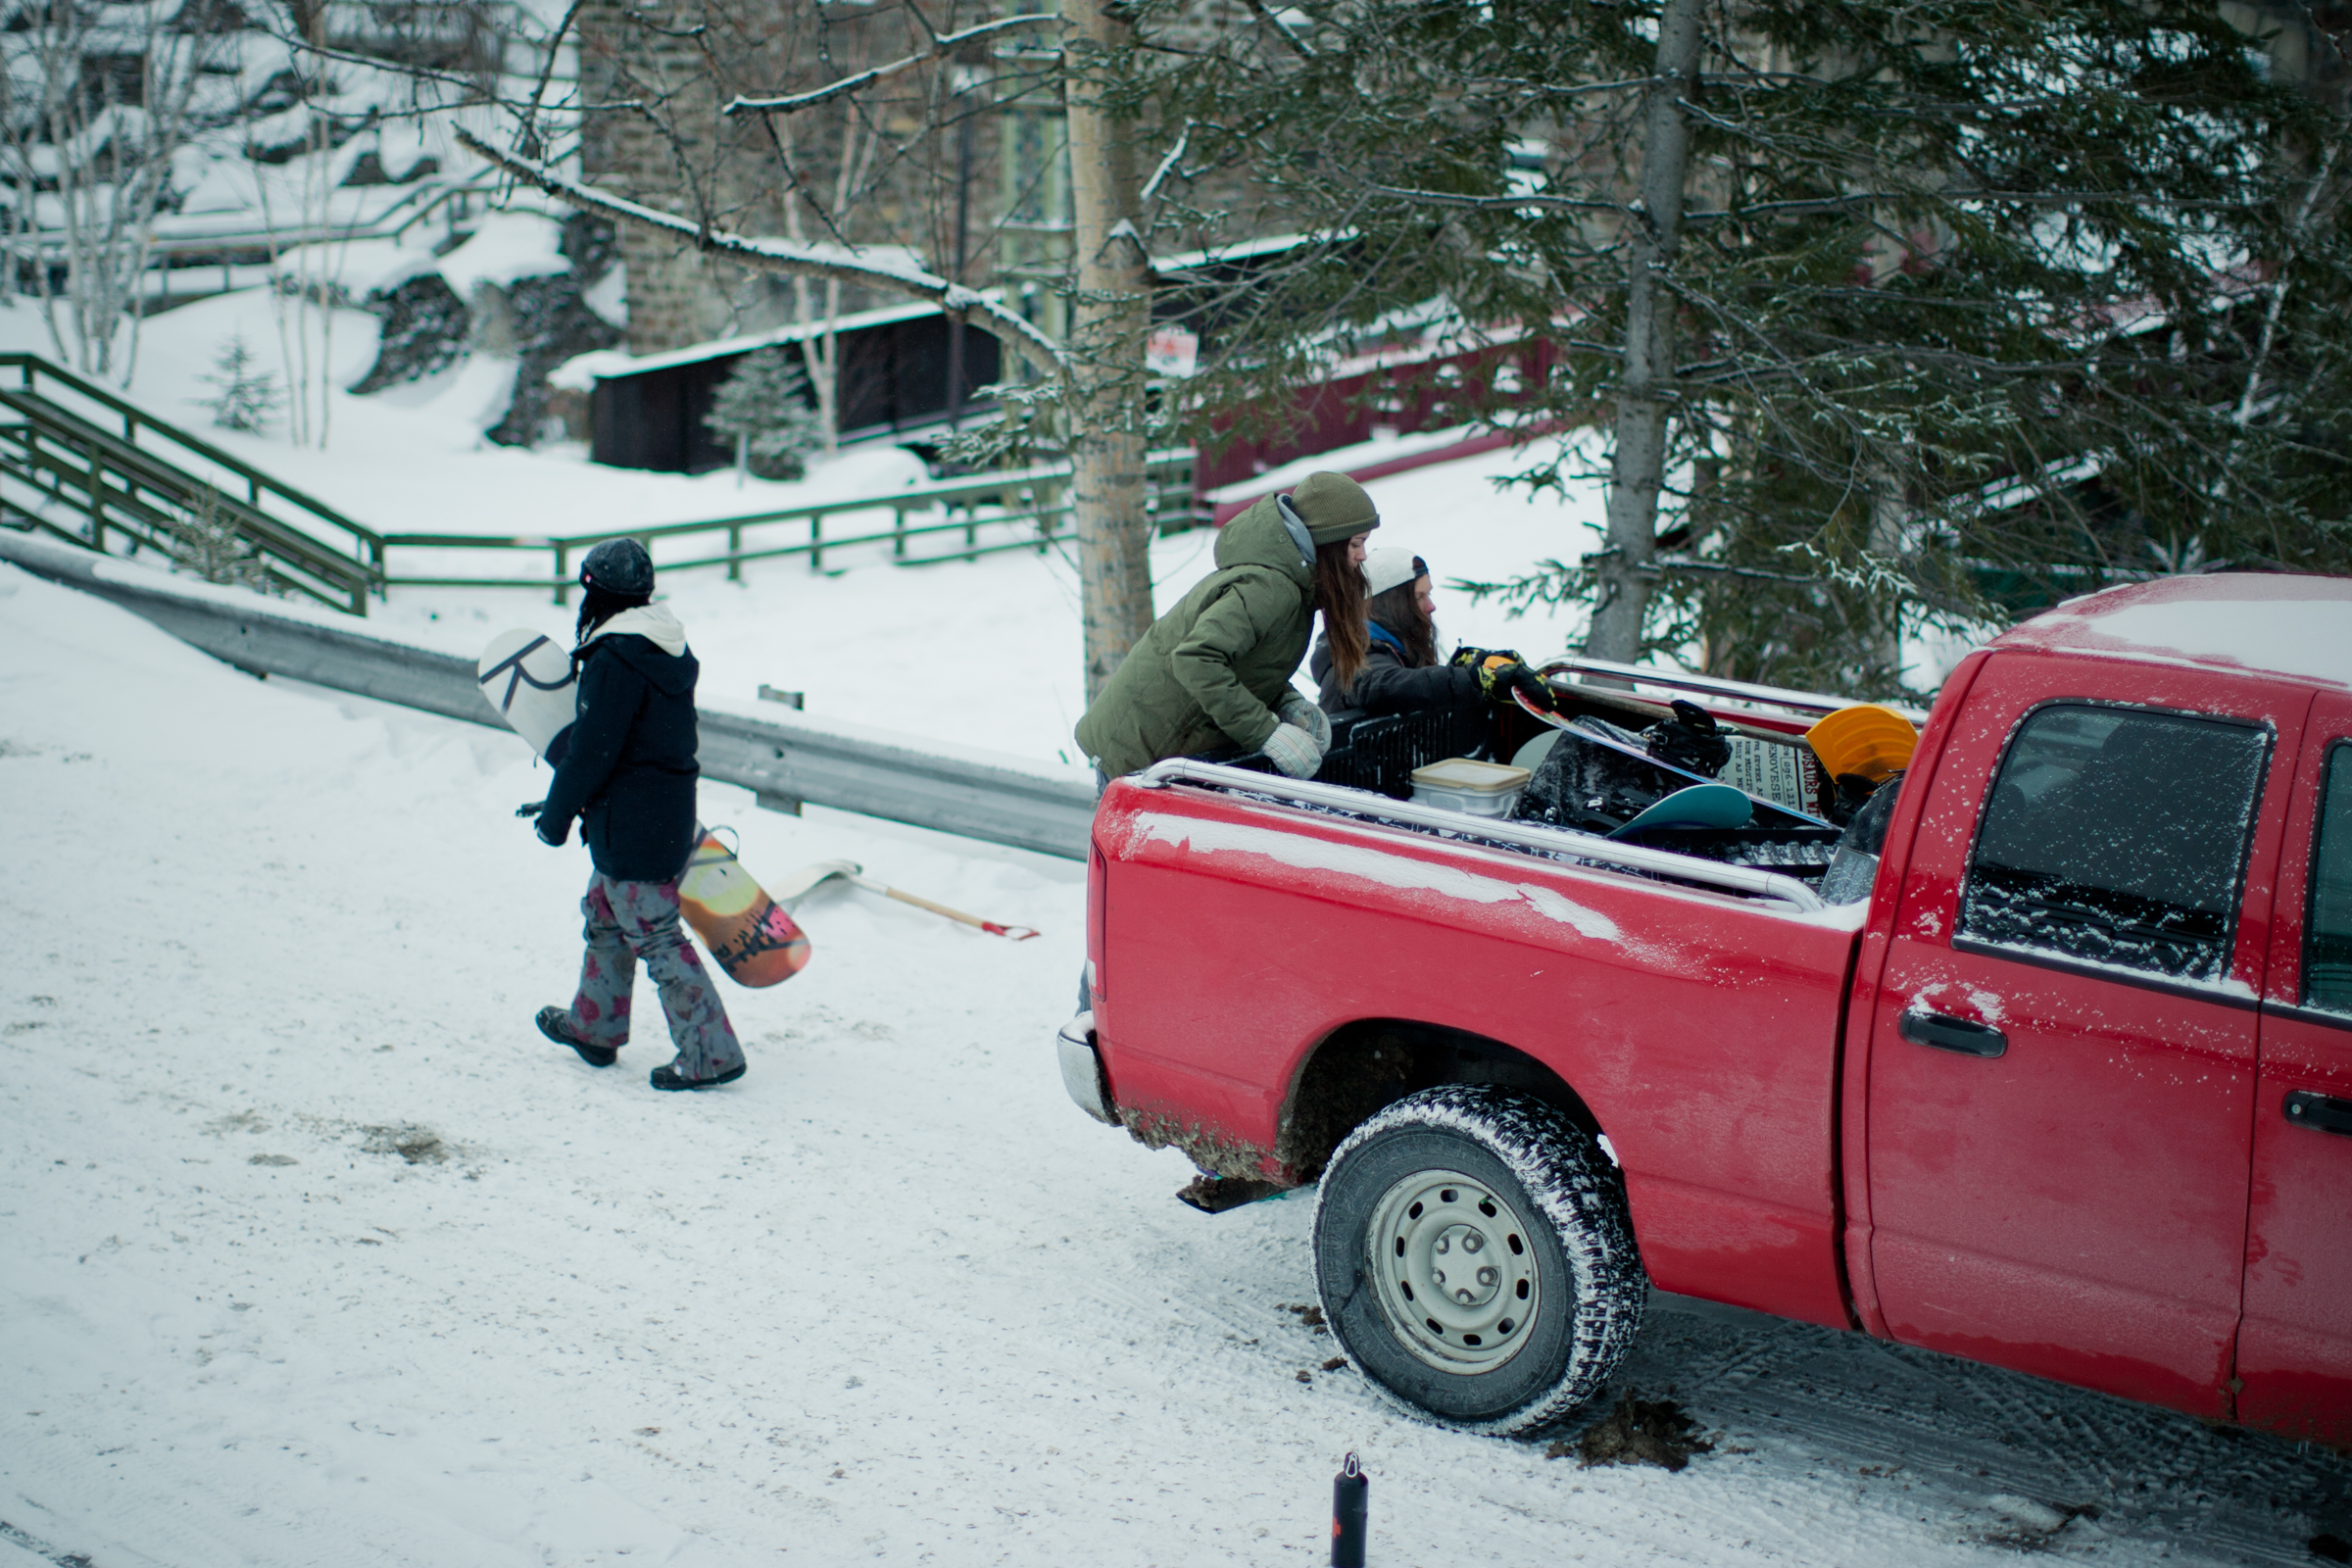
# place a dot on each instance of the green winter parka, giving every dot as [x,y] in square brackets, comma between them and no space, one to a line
[1208,673]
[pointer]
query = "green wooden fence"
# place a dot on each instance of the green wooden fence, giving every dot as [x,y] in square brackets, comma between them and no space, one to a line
[1033,502]
[79,463]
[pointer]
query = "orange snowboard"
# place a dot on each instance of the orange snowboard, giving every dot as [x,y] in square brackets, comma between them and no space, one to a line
[748,932]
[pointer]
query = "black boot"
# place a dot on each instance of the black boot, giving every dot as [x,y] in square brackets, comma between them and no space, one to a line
[555,1024]
[666,1076]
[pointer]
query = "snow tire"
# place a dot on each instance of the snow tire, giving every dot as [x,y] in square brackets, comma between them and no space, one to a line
[1580,1267]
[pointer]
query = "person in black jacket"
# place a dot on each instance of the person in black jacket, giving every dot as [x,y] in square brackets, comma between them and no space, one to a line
[626,769]
[1401,672]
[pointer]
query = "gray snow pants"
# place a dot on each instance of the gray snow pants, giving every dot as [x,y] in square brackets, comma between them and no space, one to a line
[632,920]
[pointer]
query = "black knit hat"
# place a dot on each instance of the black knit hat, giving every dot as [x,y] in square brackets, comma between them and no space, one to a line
[620,568]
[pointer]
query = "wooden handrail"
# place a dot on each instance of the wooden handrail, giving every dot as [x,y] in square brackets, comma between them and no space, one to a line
[1049,485]
[134,490]
[152,472]
[30,365]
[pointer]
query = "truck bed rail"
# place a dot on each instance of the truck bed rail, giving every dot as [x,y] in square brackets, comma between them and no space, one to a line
[1746,881]
[1811,704]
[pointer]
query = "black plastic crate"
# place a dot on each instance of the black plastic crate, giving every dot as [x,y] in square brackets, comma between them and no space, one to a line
[1380,753]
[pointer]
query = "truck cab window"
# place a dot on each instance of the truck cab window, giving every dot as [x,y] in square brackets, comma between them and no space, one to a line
[2117,836]
[2327,933]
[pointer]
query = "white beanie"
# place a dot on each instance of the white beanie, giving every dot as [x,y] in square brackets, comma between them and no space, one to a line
[1384,570]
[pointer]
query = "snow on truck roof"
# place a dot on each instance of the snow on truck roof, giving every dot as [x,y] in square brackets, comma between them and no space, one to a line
[2297,627]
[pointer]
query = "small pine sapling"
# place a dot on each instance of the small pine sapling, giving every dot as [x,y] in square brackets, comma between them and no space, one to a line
[766,409]
[209,544]
[249,397]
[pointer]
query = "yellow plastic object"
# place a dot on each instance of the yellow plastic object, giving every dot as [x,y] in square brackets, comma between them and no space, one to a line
[1865,742]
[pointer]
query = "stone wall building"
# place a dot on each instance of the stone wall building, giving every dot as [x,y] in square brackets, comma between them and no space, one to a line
[962,162]
[656,77]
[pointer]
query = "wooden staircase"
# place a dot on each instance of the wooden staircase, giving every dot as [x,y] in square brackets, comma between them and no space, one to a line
[81,463]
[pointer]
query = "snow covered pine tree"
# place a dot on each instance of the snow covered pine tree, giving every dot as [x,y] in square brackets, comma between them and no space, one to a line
[766,407]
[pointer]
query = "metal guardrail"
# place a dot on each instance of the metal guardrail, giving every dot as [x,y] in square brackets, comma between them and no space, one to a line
[1001,802]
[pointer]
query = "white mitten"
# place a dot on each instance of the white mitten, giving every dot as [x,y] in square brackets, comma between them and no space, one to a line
[1295,709]
[1294,751]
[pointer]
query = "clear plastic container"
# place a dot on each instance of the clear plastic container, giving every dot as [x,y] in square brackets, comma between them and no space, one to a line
[1459,784]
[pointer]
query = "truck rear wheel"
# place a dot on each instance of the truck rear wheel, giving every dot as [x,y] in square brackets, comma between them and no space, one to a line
[1476,1260]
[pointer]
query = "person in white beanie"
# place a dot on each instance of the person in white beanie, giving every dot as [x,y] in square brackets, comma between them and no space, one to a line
[1402,671]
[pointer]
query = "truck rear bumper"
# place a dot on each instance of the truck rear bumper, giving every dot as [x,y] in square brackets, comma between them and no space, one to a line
[1082,1068]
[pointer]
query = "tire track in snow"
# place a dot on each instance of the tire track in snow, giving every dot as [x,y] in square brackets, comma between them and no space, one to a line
[1970,1433]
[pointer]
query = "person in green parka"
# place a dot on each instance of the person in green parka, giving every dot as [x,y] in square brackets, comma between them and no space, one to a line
[1211,678]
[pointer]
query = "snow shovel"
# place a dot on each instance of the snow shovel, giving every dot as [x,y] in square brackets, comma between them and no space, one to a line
[803,882]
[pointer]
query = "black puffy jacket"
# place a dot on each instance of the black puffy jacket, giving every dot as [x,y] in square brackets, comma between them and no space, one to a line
[1386,684]
[626,767]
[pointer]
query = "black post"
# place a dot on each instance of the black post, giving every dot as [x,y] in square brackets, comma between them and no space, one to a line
[1350,1498]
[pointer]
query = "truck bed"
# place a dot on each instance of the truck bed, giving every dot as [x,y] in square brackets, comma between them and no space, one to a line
[1267,944]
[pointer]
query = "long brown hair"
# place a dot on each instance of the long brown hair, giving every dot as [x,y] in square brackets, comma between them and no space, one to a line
[1399,611]
[1339,595]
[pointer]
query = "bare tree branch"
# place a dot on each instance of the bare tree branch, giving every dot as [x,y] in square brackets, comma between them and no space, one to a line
[1184,139]
[783,256]
[941,45]
[1800,209]
[547,67]
[1440,198]
[1281,29]
[1546,89]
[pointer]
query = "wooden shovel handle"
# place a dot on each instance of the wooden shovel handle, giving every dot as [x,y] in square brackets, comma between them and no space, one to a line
[1017,933]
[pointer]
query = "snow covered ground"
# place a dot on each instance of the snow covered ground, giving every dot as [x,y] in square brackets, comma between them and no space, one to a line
[316,1253]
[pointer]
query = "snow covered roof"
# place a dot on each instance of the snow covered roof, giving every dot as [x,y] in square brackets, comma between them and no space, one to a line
[582,373]
[2298,627]
[1248,250]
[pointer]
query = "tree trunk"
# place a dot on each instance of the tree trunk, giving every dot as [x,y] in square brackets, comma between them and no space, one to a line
[820,353]
[1108,322]
[1645,388]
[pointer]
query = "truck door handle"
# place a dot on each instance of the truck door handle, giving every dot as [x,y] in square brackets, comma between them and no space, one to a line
[2328,1116]
[1940,1033]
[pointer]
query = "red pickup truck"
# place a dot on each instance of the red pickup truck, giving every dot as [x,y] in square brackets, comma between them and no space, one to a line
[2065,1086]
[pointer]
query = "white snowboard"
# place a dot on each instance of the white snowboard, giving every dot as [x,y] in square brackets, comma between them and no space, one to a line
[528,678]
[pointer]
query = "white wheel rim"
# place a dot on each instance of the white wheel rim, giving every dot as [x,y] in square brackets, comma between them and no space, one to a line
[1456,1269]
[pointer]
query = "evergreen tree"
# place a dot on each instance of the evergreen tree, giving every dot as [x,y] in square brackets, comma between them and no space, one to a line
[765,407]
[1955,307]
[207,542]
[249,395]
